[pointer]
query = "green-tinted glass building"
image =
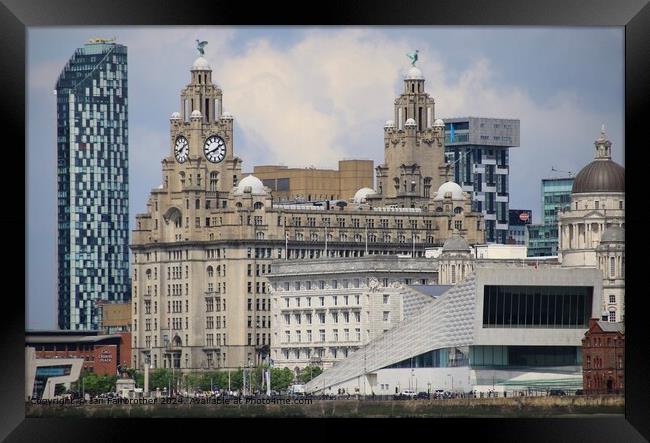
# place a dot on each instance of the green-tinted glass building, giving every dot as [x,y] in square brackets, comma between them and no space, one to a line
[556,195]
[93,182]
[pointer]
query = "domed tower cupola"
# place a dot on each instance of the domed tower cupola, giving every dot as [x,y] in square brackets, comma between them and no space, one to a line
[603,146]
[602,174]
[201,94]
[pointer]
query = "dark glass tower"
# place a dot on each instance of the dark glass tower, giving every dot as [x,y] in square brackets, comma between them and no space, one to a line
[93,182]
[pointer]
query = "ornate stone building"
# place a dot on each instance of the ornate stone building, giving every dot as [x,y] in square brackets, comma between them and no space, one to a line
[597,204]
[202,251]
[323,310]
[414,152]
[611,261]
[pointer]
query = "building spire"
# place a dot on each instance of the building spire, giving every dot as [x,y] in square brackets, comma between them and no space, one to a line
[603,146]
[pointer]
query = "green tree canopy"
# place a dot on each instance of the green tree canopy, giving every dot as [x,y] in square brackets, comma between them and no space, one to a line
[309,373]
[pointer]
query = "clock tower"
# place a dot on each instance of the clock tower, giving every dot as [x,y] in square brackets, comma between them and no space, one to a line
[201,139]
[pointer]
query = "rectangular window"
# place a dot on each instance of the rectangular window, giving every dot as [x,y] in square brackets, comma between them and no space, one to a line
[536,306]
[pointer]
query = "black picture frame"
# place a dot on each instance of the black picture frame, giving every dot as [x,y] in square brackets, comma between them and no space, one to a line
[17,15]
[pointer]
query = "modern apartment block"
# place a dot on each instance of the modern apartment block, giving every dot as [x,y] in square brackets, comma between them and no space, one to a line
[556,196]
[93,183]
[478,149]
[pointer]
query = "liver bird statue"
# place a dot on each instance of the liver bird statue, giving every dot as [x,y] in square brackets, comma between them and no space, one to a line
[413,56]
[200,46]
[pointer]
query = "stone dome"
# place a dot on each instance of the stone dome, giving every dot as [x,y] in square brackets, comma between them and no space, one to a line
[455,243]
[410,123]
[201,64]
[361,194]
[602,175]
[389,124]
[250,184]
[176,116]
[196,114]
[449,187]
[439,123]
[414,74]
[613,234]
[226,116]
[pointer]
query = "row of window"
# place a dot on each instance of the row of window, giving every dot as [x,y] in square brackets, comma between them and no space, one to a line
[259,342]
[321,317]
[261,304]
[306,353]
[321,335]
[215,322]
[266,321]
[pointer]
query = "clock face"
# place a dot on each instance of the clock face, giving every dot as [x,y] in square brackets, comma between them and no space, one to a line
[181,149]
[214,149]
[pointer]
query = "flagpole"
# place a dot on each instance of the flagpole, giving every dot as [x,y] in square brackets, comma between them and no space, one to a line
[286,245]
[325,239]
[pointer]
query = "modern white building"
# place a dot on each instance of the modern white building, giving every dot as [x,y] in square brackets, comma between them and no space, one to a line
[504,328]
[323,310]
[43,374]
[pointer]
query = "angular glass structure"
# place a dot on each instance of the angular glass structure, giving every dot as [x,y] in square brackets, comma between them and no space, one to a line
[93,182]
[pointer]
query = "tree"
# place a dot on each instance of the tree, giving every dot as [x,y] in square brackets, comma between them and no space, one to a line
[309,373]
[94,384]
[281,378]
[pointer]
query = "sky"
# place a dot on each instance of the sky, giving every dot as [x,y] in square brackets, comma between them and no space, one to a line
[310,96]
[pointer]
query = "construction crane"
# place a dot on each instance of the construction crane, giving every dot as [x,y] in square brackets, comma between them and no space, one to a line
[565,172]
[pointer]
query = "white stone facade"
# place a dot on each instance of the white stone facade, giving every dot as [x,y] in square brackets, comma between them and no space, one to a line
[325,310]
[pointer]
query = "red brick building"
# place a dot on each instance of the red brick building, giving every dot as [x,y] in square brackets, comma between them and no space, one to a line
[101,353]
[603,358]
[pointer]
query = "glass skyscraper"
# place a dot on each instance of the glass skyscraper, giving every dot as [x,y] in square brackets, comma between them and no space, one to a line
[556,196]
[478,148]
[93,182]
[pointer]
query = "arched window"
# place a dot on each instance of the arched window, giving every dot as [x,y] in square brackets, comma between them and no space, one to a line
[258,205]
[458,210]
[238,204]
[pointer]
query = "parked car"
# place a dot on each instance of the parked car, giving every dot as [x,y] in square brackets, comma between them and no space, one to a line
[556,392]
[408,393]
[579,392]
[424,395]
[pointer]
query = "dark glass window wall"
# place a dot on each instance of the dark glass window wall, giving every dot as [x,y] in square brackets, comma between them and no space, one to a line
[537,306]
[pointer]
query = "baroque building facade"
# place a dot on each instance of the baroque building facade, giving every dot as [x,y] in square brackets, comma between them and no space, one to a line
[202,252]
[598,206]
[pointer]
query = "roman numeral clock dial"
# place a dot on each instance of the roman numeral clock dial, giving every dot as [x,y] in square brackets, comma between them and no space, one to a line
[181,149]
[214,149]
